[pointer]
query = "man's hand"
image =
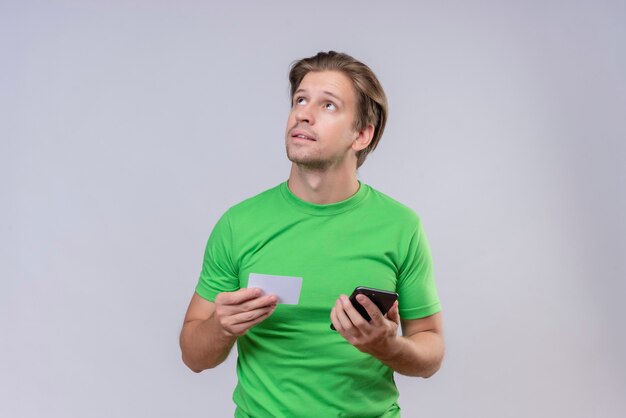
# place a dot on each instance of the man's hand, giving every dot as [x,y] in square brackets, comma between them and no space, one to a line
[419,352]
[238,311]
[211,328]
[376,337]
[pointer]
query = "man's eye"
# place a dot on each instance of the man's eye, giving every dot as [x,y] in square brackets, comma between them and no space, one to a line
[299,100]
[330,106]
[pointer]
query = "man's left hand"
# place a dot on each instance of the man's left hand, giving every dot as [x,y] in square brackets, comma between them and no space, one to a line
[375,337]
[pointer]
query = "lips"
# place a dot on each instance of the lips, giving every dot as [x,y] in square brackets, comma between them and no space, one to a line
[301,134]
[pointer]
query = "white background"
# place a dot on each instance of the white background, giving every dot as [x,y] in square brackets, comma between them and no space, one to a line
[128,127]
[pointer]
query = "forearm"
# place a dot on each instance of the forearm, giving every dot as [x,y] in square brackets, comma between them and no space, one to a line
[204,344]
[420,354]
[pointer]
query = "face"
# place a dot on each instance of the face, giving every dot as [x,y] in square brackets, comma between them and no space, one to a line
[320,128]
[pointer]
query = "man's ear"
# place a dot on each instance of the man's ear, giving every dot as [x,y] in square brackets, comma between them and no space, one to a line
[364,137]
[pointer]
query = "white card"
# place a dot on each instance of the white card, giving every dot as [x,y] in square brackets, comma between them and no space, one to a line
[287,288]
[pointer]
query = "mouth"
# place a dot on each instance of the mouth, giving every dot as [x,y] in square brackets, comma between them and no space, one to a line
[299,134]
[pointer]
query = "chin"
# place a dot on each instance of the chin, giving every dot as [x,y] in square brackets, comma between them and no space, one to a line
[305,161]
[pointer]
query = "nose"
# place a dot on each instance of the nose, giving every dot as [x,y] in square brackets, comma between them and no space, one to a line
[304,113]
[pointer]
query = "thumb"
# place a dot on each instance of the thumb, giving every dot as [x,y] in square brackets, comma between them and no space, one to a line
[238,296]
[393,314]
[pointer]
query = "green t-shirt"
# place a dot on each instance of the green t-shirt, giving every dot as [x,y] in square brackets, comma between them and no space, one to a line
[292,364]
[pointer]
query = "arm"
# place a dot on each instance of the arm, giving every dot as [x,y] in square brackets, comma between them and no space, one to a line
[211,329]
[419,352]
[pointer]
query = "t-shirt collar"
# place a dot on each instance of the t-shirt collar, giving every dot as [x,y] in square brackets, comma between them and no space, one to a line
[326,209]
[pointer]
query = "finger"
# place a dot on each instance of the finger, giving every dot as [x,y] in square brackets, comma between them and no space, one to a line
[228,314]
[239,296]
[342,317]
[394,314]
[334,320]
[249,316]
[371,308]
[260,302]
[243,327]
[354,316]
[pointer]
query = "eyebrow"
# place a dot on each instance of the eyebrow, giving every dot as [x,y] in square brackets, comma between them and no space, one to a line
[331,94]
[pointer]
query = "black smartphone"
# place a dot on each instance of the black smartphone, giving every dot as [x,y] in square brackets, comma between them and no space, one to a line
[384,299]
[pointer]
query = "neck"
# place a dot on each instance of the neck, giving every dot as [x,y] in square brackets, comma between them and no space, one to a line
[323,186]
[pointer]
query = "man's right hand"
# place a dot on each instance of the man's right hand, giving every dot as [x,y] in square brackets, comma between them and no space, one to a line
[238,311]
[211,328]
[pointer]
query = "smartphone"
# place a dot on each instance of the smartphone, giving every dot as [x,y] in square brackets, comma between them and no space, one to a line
[384,299]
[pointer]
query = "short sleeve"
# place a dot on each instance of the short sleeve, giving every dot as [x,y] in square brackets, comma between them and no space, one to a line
[418,296]
[219,273]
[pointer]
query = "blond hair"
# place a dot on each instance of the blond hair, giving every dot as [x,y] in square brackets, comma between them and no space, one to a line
[370,96]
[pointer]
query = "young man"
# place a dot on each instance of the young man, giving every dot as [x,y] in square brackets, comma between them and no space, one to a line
[336,233]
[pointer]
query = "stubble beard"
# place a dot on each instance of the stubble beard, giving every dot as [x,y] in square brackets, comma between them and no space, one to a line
[310,161]
[307,161]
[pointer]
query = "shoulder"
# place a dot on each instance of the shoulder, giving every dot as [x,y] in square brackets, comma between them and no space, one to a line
[392,208]
[263,201]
